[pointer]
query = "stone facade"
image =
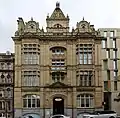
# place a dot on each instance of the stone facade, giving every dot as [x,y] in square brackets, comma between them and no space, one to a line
[6,85]
[57,71]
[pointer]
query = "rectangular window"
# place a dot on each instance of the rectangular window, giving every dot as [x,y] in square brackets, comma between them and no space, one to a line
[106,85]
[85,58]
[104,43]
[58,76]
[29,102]
[82,102]
[84,53]
[105,64]
[31,58]
[111,34]
[58,64]
[81,80]
[114,55]
[105,33]
[115,64]
[108,53]
[9,105]
[89,58]
[115,74]
[38,102]
[85,78]
[33,103]
[30,78]
[81,58]
[115,85]
[114,43]
[25,103]
[108,74]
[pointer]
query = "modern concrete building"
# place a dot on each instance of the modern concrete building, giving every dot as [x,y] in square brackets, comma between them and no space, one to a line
[6,85]
[111,67]
[57,71]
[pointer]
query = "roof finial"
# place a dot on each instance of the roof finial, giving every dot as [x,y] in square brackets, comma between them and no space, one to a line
[83,17]
[57,4]
[31,18]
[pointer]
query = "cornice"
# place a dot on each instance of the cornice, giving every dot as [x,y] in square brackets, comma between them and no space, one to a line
[57,37]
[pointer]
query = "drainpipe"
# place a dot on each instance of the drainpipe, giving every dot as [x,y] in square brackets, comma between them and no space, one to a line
[72,103]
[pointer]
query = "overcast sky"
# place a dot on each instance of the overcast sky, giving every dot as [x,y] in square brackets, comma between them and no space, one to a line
[100,13]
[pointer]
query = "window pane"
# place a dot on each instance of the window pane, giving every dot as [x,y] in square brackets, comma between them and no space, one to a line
[85,58]
[33,102]
[82,102]
[105,85]
[38,103]
[85,80]
[112,34]
[91,102]
[29,102]
[9,105]
[87,102]
[24,103]
[105,33]
[81,80]
[115,85]
[114,43]
[90,80]
[103,44]
[81,58]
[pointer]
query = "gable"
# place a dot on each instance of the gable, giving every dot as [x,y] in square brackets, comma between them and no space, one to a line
[58,85]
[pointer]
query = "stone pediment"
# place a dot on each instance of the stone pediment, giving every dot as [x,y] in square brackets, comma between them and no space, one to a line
[57,13]
[58,85]
[84,26]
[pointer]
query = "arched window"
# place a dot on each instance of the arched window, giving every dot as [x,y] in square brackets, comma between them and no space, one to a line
[58,50]
[2,78]
[9,92]
[1,93]
[58,26]
[2,105]
[31,101]
[8,78]
[85,101]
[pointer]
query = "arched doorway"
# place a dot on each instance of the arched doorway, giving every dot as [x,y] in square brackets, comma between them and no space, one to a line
[58,105]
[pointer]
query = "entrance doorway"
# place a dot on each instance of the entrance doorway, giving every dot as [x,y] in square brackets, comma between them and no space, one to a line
[58,105]
[107,100]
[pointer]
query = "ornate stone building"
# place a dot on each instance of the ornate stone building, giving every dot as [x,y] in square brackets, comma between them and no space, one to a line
[57,70]
[6,85]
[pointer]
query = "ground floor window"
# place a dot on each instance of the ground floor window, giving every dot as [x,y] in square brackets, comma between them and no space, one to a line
[31,101]
[85,101]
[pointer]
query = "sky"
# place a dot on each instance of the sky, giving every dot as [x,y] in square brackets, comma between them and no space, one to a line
[100,13]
